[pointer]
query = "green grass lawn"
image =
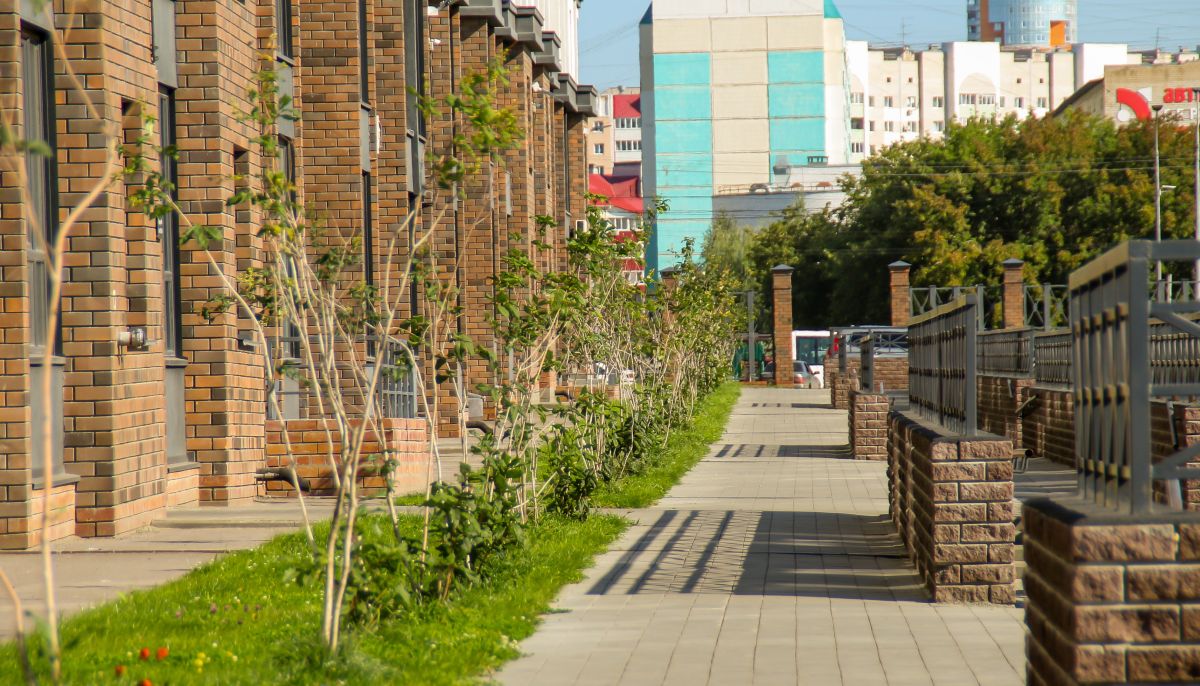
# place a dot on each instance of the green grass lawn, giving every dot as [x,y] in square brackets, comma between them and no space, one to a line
[238,620]
[684,449]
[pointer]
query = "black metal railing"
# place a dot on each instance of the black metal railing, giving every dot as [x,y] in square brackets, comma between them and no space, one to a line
[923,300]
[1171,290]
[1052,358]
[879,343]
[1129,348]
[395,394]
[1046,305]
[942,364]
[1008,352]
[847,340]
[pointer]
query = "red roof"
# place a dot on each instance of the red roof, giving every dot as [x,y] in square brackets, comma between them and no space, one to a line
[623,192]
[627,106]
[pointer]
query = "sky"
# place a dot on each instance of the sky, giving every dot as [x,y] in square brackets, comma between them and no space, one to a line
[609,35]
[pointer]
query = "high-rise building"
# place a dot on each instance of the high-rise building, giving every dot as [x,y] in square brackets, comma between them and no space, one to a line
[731,92]
[1023,23]
[615,134]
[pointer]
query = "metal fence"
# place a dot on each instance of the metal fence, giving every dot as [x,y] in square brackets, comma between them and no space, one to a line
[1006,352]
[395,394]
[1170,290]
[876,344]
[942,364]
[1052,358]
[923,300]
[397,388]
[1046,305]
[847,341]
[1128,350]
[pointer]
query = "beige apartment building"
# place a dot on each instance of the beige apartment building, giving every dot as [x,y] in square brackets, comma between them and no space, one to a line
[900,94]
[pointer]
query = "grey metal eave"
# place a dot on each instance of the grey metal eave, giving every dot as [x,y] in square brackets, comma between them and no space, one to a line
[490,10]
[549,55]
[585,97]
[507,29]
[529,25]
[565,93]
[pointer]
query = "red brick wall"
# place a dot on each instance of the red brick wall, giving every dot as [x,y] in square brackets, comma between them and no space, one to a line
[998,398]
[951,499]
[404,440]
[1049,428]
[891,374]
[781,309]
[1187,433]
[868,422]
[1110,601]
[839,384]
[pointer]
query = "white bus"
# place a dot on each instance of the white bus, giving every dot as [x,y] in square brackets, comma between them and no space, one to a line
[810,346]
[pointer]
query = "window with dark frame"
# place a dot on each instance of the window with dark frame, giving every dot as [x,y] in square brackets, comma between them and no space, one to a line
[286,153]
[364,95]
[168,229]
[283,19]
[414,78]
[42,179]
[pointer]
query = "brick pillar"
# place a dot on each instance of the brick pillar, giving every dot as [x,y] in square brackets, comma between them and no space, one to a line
[782,306]
[1111,600]
[952,501]
[898,283]
[1014,294]
[867,421]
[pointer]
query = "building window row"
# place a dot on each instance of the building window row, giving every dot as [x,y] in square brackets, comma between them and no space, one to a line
[629,146]
[629,122]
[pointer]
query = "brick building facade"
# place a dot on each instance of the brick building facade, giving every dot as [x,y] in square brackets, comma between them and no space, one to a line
[182,419]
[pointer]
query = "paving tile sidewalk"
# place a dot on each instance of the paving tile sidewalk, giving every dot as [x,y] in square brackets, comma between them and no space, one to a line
[772,562]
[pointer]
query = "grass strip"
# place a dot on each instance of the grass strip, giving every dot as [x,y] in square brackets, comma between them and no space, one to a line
[684,449]
[237,620]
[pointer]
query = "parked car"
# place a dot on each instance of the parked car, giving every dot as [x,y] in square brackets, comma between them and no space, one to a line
[803,375]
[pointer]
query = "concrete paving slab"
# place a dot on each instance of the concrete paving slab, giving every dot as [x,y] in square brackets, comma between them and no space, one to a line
[772,562]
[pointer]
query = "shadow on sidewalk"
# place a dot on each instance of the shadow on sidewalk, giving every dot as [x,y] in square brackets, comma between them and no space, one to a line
[753,450]
[813,554]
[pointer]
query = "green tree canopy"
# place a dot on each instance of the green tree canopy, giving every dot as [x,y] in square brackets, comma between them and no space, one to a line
[1054,192]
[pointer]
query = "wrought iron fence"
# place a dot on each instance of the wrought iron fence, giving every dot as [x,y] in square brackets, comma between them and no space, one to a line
[1006,352]
[1052,358]
[1128,350]
[847,340]
[923,300]
[876,344]
[1170,290]
[395,394]
[1046,305]
[942,364]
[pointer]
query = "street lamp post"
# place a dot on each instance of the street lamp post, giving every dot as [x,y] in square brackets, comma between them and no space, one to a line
[1157,195]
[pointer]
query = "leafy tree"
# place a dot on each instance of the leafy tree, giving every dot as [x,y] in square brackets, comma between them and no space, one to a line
[1054,192]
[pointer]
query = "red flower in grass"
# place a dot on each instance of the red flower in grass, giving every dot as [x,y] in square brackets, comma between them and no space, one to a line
[162,654]
[120,670]
[144,654]
[145,682]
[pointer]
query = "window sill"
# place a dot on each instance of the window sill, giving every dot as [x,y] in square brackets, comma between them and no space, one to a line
[289,61]
[176,467]
[176,362]
[58,480]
